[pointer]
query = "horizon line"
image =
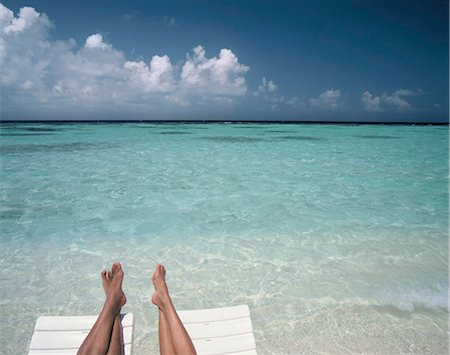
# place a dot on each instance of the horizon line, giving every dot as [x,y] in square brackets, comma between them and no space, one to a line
[420,123]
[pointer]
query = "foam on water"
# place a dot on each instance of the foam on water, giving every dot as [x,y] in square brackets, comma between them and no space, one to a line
[336,239]
[435,298]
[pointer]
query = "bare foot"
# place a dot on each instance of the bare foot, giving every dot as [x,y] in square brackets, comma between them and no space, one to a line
[112,284]
[161,296]
[106,280]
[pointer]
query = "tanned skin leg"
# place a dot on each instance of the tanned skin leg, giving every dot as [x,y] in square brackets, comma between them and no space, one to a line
[180,341]
[99,338]
[116,343]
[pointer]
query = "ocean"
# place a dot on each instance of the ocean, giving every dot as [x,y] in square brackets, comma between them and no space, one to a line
[335,235]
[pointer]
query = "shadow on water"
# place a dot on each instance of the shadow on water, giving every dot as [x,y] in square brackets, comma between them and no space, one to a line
[23,134]
[220,139]
[299,138]
[21,128]
[12,214]
[5,127]
[58,147]
[224,139]
[248,127]
[42,129]
[30,129]
[174,132]
[277,131]
[376,137]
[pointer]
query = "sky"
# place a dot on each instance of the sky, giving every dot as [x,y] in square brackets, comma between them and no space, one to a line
[323,60]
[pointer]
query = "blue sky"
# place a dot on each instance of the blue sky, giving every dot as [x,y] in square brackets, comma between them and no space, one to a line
[243,60]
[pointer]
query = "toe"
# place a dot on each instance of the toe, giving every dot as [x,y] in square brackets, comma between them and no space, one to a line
[116,267]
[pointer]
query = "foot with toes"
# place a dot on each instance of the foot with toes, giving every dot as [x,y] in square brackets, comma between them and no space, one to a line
[112,285]
[161,296]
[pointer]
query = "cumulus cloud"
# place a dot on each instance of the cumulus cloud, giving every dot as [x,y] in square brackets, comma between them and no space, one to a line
[24,49]
[267,86]
[328,100]
[395,100]
[96,41]
[267,90]
[371,102]
[220,75]
[25,20]
[155,77]
[34,69]
[295,103]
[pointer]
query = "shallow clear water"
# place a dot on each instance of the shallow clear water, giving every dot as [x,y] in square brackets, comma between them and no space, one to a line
[336,236]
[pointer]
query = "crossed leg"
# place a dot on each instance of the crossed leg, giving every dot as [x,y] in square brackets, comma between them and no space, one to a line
[165,338]
[116,345]
[173,337]
[106,332]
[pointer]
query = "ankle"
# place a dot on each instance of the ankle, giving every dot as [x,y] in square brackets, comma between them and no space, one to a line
[164,304]
[113,303]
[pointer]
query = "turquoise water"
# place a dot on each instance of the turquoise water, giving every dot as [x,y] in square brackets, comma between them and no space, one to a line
[336,236]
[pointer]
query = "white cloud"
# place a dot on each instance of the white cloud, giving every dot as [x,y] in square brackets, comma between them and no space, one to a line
[157,77]
[407,92]
[267,86]
[24,49]
[26,18]
[267,90]
[328,100]
[96,41]
[220,75]
[6,16]
[371,102]
[396,100]
[34,69]
[295,103]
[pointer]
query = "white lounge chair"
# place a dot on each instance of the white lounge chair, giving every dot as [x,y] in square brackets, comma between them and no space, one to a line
[64,335]
[220,330]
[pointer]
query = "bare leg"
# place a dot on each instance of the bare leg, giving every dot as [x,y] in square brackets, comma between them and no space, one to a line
[180,340]
[116,343]
[99,338]
[116,346]
[165,338]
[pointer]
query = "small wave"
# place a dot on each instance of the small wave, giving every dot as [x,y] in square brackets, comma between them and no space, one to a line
[432,298]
